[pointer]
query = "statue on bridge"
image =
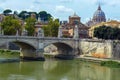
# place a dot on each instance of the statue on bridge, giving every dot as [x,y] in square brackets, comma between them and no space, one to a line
[40,33]
[76,34]
[60,32]
[24,32]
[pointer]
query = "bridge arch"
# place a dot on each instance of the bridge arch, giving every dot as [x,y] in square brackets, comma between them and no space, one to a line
[63,49]
[23,44]
[26,49]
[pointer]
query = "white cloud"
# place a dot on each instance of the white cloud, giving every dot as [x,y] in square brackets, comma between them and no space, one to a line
[63,9]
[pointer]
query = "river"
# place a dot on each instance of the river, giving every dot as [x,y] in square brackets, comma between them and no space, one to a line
[52,69]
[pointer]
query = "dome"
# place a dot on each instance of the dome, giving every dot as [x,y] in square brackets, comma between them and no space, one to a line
[99,15]
[74,15]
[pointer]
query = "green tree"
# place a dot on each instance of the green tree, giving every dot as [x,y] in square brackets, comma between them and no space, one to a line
[51,29]
[10,25]
[23,15]
[107,32]
[7,11]
[30,26]
[33,13]
[46,31]
[44,15]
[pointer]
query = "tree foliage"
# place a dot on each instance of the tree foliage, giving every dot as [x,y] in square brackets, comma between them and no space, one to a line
[7,11]
[30,26]
[44,15]
[51,29]
[10,25]
[23,15]
[107,32]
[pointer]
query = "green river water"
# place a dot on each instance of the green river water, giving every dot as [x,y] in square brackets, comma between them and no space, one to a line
[57,70]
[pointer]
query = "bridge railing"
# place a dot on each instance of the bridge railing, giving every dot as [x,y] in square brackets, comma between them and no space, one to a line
[53,38]
[6,36]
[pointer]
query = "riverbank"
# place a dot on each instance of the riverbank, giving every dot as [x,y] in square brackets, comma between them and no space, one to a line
[5,51]
[8,56]
[13,56]
[103,62]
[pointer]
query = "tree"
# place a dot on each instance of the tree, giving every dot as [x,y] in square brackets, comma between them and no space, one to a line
[107,32]
[30,26]
[7,11]
[23,15]
[33,13]
[10,25]
[52,28]
[44,15]
[15,13]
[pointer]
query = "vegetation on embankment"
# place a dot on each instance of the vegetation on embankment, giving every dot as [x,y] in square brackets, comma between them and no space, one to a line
[112,64]
[48,56]
[4,52]
[102,62]
[9,56]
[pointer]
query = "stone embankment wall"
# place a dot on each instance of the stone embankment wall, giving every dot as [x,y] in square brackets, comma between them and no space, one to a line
[97,48]
[116,49]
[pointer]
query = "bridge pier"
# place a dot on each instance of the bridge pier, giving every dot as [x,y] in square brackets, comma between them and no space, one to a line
[76,52]
[28,54]
[39,54]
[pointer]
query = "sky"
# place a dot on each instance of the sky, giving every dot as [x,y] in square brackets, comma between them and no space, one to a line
[62,9]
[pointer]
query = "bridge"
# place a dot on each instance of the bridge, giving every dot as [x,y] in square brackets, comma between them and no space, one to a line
[33,47]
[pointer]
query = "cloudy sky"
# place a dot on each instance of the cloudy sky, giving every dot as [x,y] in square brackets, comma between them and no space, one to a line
[63,8]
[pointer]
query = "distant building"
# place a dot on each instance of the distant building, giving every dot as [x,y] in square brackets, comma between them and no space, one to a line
[98,17]
[68,28]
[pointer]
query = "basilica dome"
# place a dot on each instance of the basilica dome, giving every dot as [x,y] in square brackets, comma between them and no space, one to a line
[99,15]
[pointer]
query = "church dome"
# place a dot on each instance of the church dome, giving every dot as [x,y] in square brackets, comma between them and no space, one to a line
[99,15]
[74,15]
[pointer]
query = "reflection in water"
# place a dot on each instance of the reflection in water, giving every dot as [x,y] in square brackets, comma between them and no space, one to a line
[57,70]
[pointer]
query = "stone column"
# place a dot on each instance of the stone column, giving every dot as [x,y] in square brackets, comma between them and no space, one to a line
[60,32]
[76,34]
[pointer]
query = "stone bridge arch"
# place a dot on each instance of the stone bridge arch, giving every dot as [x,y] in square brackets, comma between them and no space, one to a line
[26,49]
[64,50]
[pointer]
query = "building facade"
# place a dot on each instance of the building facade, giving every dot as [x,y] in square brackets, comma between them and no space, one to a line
[68,28]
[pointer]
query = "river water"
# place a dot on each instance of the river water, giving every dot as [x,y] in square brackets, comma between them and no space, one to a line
[57,70]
